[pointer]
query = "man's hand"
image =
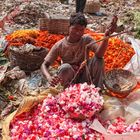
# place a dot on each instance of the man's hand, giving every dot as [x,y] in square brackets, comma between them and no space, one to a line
[55,80]
[112,26]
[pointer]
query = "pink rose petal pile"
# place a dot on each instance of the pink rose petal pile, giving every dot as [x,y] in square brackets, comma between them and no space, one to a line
[119,126]
[81,99]
[47,121]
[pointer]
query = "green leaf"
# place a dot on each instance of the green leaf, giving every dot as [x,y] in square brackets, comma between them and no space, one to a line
[3,60]
[1,50]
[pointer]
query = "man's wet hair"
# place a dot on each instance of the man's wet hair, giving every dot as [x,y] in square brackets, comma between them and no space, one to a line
[78,18]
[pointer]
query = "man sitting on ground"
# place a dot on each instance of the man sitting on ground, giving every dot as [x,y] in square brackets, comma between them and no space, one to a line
[72,50]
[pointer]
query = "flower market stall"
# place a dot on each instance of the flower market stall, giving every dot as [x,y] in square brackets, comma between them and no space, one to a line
[30,109]
[72,113]
[122,52]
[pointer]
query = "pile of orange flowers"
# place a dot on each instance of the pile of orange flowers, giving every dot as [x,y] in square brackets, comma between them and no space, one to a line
[34,37]
[118,53]
[21,37]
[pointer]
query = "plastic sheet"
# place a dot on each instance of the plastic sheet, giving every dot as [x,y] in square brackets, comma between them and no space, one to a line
[112,108]
[96,125]
[132,109]
[134,64]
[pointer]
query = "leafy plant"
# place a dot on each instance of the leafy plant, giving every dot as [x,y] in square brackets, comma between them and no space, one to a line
[3,59]
[132,18]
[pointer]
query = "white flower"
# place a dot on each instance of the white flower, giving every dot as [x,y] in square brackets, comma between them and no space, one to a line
[74,104]
[49,95]
[54,116]
[74,129]
[83,124]
[30,123]
[62,102]
[88,101]
[75,136]
[84,130]
[47,108]
[77,110]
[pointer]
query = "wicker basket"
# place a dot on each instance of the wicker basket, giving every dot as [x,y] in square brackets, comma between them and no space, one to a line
[43,24]
[27,61]
[57,24]
[120,82]
[92,6]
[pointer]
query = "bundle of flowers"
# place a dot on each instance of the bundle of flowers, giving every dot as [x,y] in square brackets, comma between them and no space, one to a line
[48,121]
[81,100]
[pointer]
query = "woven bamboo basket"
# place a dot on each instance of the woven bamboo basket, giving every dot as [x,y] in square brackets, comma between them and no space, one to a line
[43,24]
[120,82]
[27,61]
[92,6]
[57,24]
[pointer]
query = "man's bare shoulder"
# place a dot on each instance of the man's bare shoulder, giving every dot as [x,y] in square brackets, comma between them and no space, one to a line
[59,43]
[87,38]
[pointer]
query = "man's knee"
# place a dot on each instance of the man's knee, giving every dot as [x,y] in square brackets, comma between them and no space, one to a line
[66,73]
[97,61]
[65,67]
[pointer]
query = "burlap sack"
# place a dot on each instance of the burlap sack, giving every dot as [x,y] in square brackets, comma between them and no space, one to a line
[26,105]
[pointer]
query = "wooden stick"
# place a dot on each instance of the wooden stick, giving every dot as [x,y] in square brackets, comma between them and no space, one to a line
[85,61]
[107,37]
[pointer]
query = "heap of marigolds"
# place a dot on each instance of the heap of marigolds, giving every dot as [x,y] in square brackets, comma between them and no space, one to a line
[117,55]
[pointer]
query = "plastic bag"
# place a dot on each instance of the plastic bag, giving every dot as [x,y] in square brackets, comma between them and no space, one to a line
[3,43]
[128,108]
[113,108]
[134,64]
[132,109]
[96,125]
[3,70]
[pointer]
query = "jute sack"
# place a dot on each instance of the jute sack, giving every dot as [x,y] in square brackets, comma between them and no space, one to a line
[26,105]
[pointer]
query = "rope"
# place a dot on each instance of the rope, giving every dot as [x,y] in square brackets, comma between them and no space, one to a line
[84,63]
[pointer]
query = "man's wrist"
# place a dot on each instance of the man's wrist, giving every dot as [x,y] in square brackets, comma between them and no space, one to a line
[107,33]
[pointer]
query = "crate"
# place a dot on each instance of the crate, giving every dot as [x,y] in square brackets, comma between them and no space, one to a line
[92,6]
[55,24]
[43,24]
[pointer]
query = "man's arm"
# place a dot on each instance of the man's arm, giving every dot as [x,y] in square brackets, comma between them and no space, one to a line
[45,69]
[53,81]
[100,51]
[49,59]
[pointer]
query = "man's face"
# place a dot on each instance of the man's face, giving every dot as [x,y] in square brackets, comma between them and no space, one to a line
[76,32]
